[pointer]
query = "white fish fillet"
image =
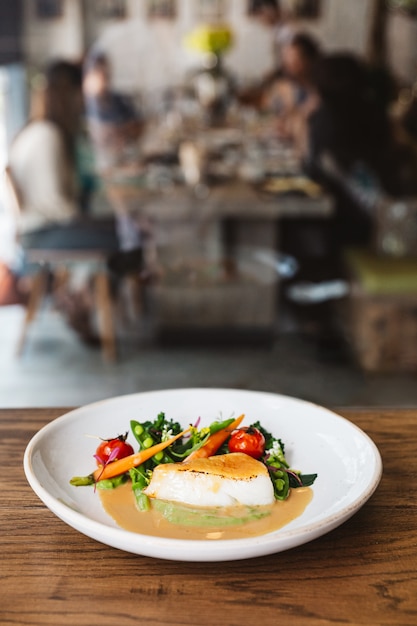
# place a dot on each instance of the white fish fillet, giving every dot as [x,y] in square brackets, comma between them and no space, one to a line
[223,480]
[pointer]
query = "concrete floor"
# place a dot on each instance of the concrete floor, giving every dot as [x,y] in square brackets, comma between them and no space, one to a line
[57,370]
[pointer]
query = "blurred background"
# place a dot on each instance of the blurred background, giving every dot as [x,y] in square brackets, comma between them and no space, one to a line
[208,193]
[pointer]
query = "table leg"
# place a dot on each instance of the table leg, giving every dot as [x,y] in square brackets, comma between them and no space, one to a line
[105,315]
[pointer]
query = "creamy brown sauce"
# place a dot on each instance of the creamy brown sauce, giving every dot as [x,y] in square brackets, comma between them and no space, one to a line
[119,503]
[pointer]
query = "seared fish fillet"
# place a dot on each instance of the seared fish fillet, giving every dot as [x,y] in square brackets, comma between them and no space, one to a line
[223,480]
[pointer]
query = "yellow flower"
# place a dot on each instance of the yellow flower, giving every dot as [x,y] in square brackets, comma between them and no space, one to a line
[214,39]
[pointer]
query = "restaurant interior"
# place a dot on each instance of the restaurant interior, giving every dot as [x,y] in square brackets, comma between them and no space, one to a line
[208,193]
[208,312]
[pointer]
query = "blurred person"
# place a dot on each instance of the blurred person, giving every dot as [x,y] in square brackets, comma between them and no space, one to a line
[113,122]
[291,83]
[42,163]
[43,168]
[299,59]
[272,15]
[353,152]
[292,96]
[114,126]
[353,149]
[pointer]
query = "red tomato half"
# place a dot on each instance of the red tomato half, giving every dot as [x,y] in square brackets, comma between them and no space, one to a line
[112,450]
[248,440]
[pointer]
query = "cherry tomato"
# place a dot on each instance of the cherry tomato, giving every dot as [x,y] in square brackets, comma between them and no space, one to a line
[248,440]
[113,449]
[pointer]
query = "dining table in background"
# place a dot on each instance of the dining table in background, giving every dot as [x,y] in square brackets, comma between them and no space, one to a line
[217,196]
[247,177]
[362,573]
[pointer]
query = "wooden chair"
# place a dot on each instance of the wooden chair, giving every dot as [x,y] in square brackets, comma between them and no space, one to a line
[55,265]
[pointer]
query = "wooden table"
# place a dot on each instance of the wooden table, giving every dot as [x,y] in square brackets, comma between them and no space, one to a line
[255,214]
[233,219]
[364,572]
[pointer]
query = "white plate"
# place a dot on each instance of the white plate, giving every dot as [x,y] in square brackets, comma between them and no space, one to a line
[347,462]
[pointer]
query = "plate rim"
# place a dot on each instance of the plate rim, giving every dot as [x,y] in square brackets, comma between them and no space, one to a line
[259,545]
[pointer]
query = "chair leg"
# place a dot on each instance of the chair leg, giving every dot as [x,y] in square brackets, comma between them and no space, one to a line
[37,293]
[133,293]
[105,315]
[60,278]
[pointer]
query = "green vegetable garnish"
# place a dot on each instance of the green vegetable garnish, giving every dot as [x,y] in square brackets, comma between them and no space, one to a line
[282,476]
[151,433]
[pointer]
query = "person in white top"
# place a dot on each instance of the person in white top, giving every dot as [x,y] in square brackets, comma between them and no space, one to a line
[42,163]
[42,167]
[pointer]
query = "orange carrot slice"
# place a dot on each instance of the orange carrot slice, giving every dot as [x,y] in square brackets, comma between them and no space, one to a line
[133,460]
[214,442]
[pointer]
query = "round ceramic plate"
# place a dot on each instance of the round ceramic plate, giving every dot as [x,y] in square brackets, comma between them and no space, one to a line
[316,440]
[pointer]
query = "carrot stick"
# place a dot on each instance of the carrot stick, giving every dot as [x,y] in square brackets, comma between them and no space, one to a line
[133,460]
[214,442]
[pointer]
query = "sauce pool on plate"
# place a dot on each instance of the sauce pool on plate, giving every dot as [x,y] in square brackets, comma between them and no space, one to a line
[224,523]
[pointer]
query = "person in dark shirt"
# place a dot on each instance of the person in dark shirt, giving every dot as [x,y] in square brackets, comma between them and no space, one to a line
[352,147]
[353,152]
[112,108]
[113,122]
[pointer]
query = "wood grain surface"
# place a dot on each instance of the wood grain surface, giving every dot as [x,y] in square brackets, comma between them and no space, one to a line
[362,573]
